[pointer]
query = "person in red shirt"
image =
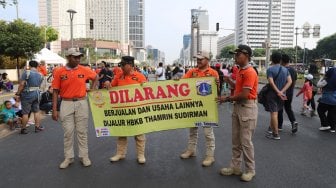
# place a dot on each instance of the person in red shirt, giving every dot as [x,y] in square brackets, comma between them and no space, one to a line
[70,83]
[244,115]
[203,70]
[129,76]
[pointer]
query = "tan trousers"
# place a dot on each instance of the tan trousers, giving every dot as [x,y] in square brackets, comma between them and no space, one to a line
[209,138]
[74,117]
[244,122]
[140,141]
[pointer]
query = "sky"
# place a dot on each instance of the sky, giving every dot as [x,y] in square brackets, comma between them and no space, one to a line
[167,21]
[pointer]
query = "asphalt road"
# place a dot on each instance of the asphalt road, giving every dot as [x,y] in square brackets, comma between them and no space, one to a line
[306,159]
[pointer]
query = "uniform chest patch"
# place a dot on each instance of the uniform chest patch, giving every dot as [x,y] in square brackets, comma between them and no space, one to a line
[135,78]
[64,77]
[81,76]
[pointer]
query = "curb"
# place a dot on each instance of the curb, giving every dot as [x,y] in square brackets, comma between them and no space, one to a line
[5,131]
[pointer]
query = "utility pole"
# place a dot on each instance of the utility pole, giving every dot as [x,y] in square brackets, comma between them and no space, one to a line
[268,40]
[305,34]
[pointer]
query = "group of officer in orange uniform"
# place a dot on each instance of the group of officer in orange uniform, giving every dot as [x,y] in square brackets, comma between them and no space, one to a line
[69,83]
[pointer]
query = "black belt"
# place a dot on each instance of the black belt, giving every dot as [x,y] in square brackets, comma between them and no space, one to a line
[73,99]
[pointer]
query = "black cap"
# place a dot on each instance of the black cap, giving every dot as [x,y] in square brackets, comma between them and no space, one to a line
[127,60]
[243,49]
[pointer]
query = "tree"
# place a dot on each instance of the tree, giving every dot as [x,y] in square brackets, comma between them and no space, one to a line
[290,52]
[20,39]
[259,52]
[49,34]
[225,51]
[326,47]
[3,3]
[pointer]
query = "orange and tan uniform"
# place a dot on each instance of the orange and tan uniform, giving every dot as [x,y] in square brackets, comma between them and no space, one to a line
[244,119]
[74,107]
[208,131]
[122,80]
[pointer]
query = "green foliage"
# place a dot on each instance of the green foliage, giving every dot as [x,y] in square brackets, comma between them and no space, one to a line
[48,34]
[259,52]
[290,52]
[326,47]
[20,39]
[225,51]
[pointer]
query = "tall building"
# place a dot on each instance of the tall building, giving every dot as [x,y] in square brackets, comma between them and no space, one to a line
[201,37]
[110,20]
[53,13]
[137,28]
[225,41]
[202,17]
[252,19]
[208,42]
[186,41]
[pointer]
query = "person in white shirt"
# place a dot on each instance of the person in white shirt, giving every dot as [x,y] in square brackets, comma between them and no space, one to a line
[160,73]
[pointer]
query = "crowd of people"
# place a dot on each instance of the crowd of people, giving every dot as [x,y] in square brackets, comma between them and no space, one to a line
[66,101]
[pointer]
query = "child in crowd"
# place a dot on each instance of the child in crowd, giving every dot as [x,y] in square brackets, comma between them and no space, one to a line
[307,91]
[7,84]
[9,115]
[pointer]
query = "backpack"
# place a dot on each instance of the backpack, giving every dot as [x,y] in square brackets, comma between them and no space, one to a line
[161,72]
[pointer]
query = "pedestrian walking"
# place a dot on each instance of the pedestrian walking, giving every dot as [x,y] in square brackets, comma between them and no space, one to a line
[326,108]
[129,76]
[307,91]
[70,83]
[29,92]
[202,70]
[244,116]
[289,94]
[313,70]
[279,80]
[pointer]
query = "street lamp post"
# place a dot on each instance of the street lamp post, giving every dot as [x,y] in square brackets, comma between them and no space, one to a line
[71,13]
[268,40]
[305,34]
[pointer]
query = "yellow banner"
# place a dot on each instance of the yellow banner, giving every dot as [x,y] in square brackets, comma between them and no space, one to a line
[154,106]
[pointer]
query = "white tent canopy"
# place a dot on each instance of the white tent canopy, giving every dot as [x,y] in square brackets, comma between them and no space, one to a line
[49,57]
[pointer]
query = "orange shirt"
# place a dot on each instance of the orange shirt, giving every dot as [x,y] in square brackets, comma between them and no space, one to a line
[116,71]
[42,69]
[247,78]
[133,78]
[197,73]
[71,82]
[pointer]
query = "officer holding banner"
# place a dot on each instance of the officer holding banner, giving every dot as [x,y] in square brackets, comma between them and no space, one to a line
[127,77]
[244,116]
[202,70]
